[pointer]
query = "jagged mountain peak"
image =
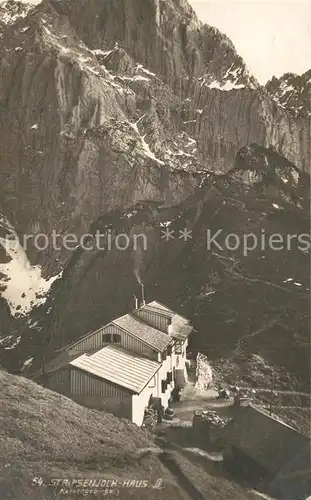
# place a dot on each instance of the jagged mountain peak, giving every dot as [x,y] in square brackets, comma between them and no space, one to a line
[166,37]
[199,46]
[292,92]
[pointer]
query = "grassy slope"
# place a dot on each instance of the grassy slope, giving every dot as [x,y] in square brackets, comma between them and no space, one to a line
[43,433]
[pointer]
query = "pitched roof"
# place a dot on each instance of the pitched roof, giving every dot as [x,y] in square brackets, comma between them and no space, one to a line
[154,338]
[158,305]
[268,441]
[157,310]
[119,367]
[179,328]
[80,339]
[145,333]
[165,310]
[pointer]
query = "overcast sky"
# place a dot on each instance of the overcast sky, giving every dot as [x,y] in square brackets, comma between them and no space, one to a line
[273,37]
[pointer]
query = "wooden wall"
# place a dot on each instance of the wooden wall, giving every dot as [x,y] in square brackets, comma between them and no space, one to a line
[153,319]
[128,342]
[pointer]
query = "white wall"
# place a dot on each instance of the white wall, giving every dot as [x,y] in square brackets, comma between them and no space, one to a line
[167,366]
[181,365]
[140,402]
[165,397]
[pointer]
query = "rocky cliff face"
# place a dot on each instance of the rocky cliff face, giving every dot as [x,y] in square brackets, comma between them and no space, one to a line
[116,115]
[224,107]
[77,139]
[114,102]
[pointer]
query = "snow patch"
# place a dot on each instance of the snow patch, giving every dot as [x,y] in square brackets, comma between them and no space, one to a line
[146,149]
[137,78]
[104,53]
[15,343]
[262,495]
[3,340]
[23,284]
[28,362]
[180,153]
[140,67]
[285,88]
[230,80]
[129,215]
[215,457]
[295,176]
[10,13]
[92,70]
[191,141]
[34,127]
[225,86]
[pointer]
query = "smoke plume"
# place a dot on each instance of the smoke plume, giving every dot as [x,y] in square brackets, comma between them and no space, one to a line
[137,274]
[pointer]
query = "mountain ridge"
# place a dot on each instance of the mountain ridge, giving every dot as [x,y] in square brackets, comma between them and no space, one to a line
[292,92]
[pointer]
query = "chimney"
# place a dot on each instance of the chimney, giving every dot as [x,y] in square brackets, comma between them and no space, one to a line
[136,302]
[143,302]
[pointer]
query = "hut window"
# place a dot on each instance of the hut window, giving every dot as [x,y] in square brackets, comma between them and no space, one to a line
[163,386]
[169,377]
[164,355]
[111,338]
[116,338]
[106,338]
[169,350]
